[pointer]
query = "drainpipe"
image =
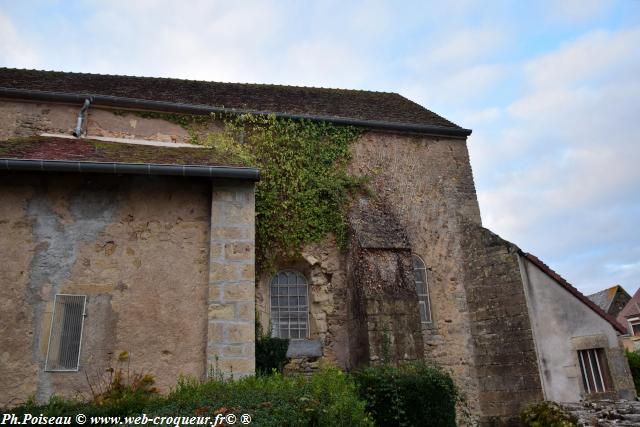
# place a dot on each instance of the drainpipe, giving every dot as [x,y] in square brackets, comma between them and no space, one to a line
[81,117]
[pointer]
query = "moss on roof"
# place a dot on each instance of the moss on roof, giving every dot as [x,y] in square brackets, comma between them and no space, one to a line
[53,148]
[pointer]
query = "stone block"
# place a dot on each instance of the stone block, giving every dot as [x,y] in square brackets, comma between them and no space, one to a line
[246,311]
[239,214]
[221,272]
[215,332]
[239,251]
[239,333]
[222,311]
[215,250]
[248,272]
[243,291]
[229,233]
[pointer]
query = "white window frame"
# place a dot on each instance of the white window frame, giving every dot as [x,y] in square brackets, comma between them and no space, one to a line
[56,309]
[275,319]
[586,358]
[424,299]
[633,321]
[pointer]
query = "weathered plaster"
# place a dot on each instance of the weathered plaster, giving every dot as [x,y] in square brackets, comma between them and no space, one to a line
[136,246]
[562,325]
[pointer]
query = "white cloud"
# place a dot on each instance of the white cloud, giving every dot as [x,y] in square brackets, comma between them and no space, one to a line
[15,51]
[573,185]
[576,10]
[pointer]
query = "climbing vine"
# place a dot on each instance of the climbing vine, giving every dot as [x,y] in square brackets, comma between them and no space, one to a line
[304,188]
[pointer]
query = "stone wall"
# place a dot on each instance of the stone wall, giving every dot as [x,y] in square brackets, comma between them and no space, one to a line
[162,283]
[138,247]
[231,333]
[426,184]
[505,355]
[30,118]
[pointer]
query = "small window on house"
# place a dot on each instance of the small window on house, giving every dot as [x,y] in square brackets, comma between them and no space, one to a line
[422,289]
[635,326]
[65,336]
[595,371]
[289,305]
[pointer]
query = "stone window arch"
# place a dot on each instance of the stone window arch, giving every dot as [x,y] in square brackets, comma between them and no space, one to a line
[422,288]
[289,305]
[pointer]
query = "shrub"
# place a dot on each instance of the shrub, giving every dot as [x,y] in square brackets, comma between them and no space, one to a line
[547,414]
[411,394]
[271,352]
[634,364]
[328,398]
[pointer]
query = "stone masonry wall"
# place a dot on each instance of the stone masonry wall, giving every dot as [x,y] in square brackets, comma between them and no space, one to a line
[30,118]
[505,358]
[137,247]
[231,335]
[427,185]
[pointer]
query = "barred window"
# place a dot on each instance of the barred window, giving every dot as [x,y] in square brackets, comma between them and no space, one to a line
[594,370]
[289,305]
[422,289]
[63,353]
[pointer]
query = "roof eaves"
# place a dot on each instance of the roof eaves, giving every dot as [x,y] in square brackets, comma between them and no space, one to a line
[221,172]
[145,104]
[575,292]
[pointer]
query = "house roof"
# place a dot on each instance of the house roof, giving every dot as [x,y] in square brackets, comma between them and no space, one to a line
[86,155]
[575,292]
[631,309]
[306,102]
[611,300]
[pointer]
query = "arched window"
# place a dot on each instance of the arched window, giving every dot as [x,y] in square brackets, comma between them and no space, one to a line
[289,305]
[422,288]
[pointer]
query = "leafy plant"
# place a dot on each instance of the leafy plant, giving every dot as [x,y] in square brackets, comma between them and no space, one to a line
[328,398]
[547,414]
[634,363]
[304,188]
[410,394]
[271,352]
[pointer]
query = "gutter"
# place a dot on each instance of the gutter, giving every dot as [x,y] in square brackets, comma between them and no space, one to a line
[176,107]
[221,172]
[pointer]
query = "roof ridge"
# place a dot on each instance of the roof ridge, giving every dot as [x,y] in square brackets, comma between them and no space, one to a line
[573,290]
[211,81]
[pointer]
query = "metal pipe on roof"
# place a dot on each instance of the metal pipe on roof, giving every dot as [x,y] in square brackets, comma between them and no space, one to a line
[175,107]
[221,172]
[81,116]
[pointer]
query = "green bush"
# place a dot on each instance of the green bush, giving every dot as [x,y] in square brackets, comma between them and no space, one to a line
[634,364]
[271,352]
[547,414]
[328,398]
[412,394]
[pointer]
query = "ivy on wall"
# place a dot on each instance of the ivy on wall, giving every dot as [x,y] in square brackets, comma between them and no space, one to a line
[304,188]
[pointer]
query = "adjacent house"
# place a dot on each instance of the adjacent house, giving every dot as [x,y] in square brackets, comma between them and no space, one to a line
[119,234]
[611,300]
[629,316]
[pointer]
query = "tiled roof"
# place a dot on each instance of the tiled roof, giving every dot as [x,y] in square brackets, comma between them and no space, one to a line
[569,287]
[305,101]
[604,298]
[86,150]
[631,309]
[611,300]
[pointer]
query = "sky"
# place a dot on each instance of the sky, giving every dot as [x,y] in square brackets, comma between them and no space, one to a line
[550,88]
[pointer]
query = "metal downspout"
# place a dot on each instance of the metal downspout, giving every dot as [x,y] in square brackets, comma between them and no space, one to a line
[81,117]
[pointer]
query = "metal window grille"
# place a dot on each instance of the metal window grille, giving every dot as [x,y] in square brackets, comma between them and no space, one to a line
[289,305]
[63,353]
[422,289]
[594,370]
